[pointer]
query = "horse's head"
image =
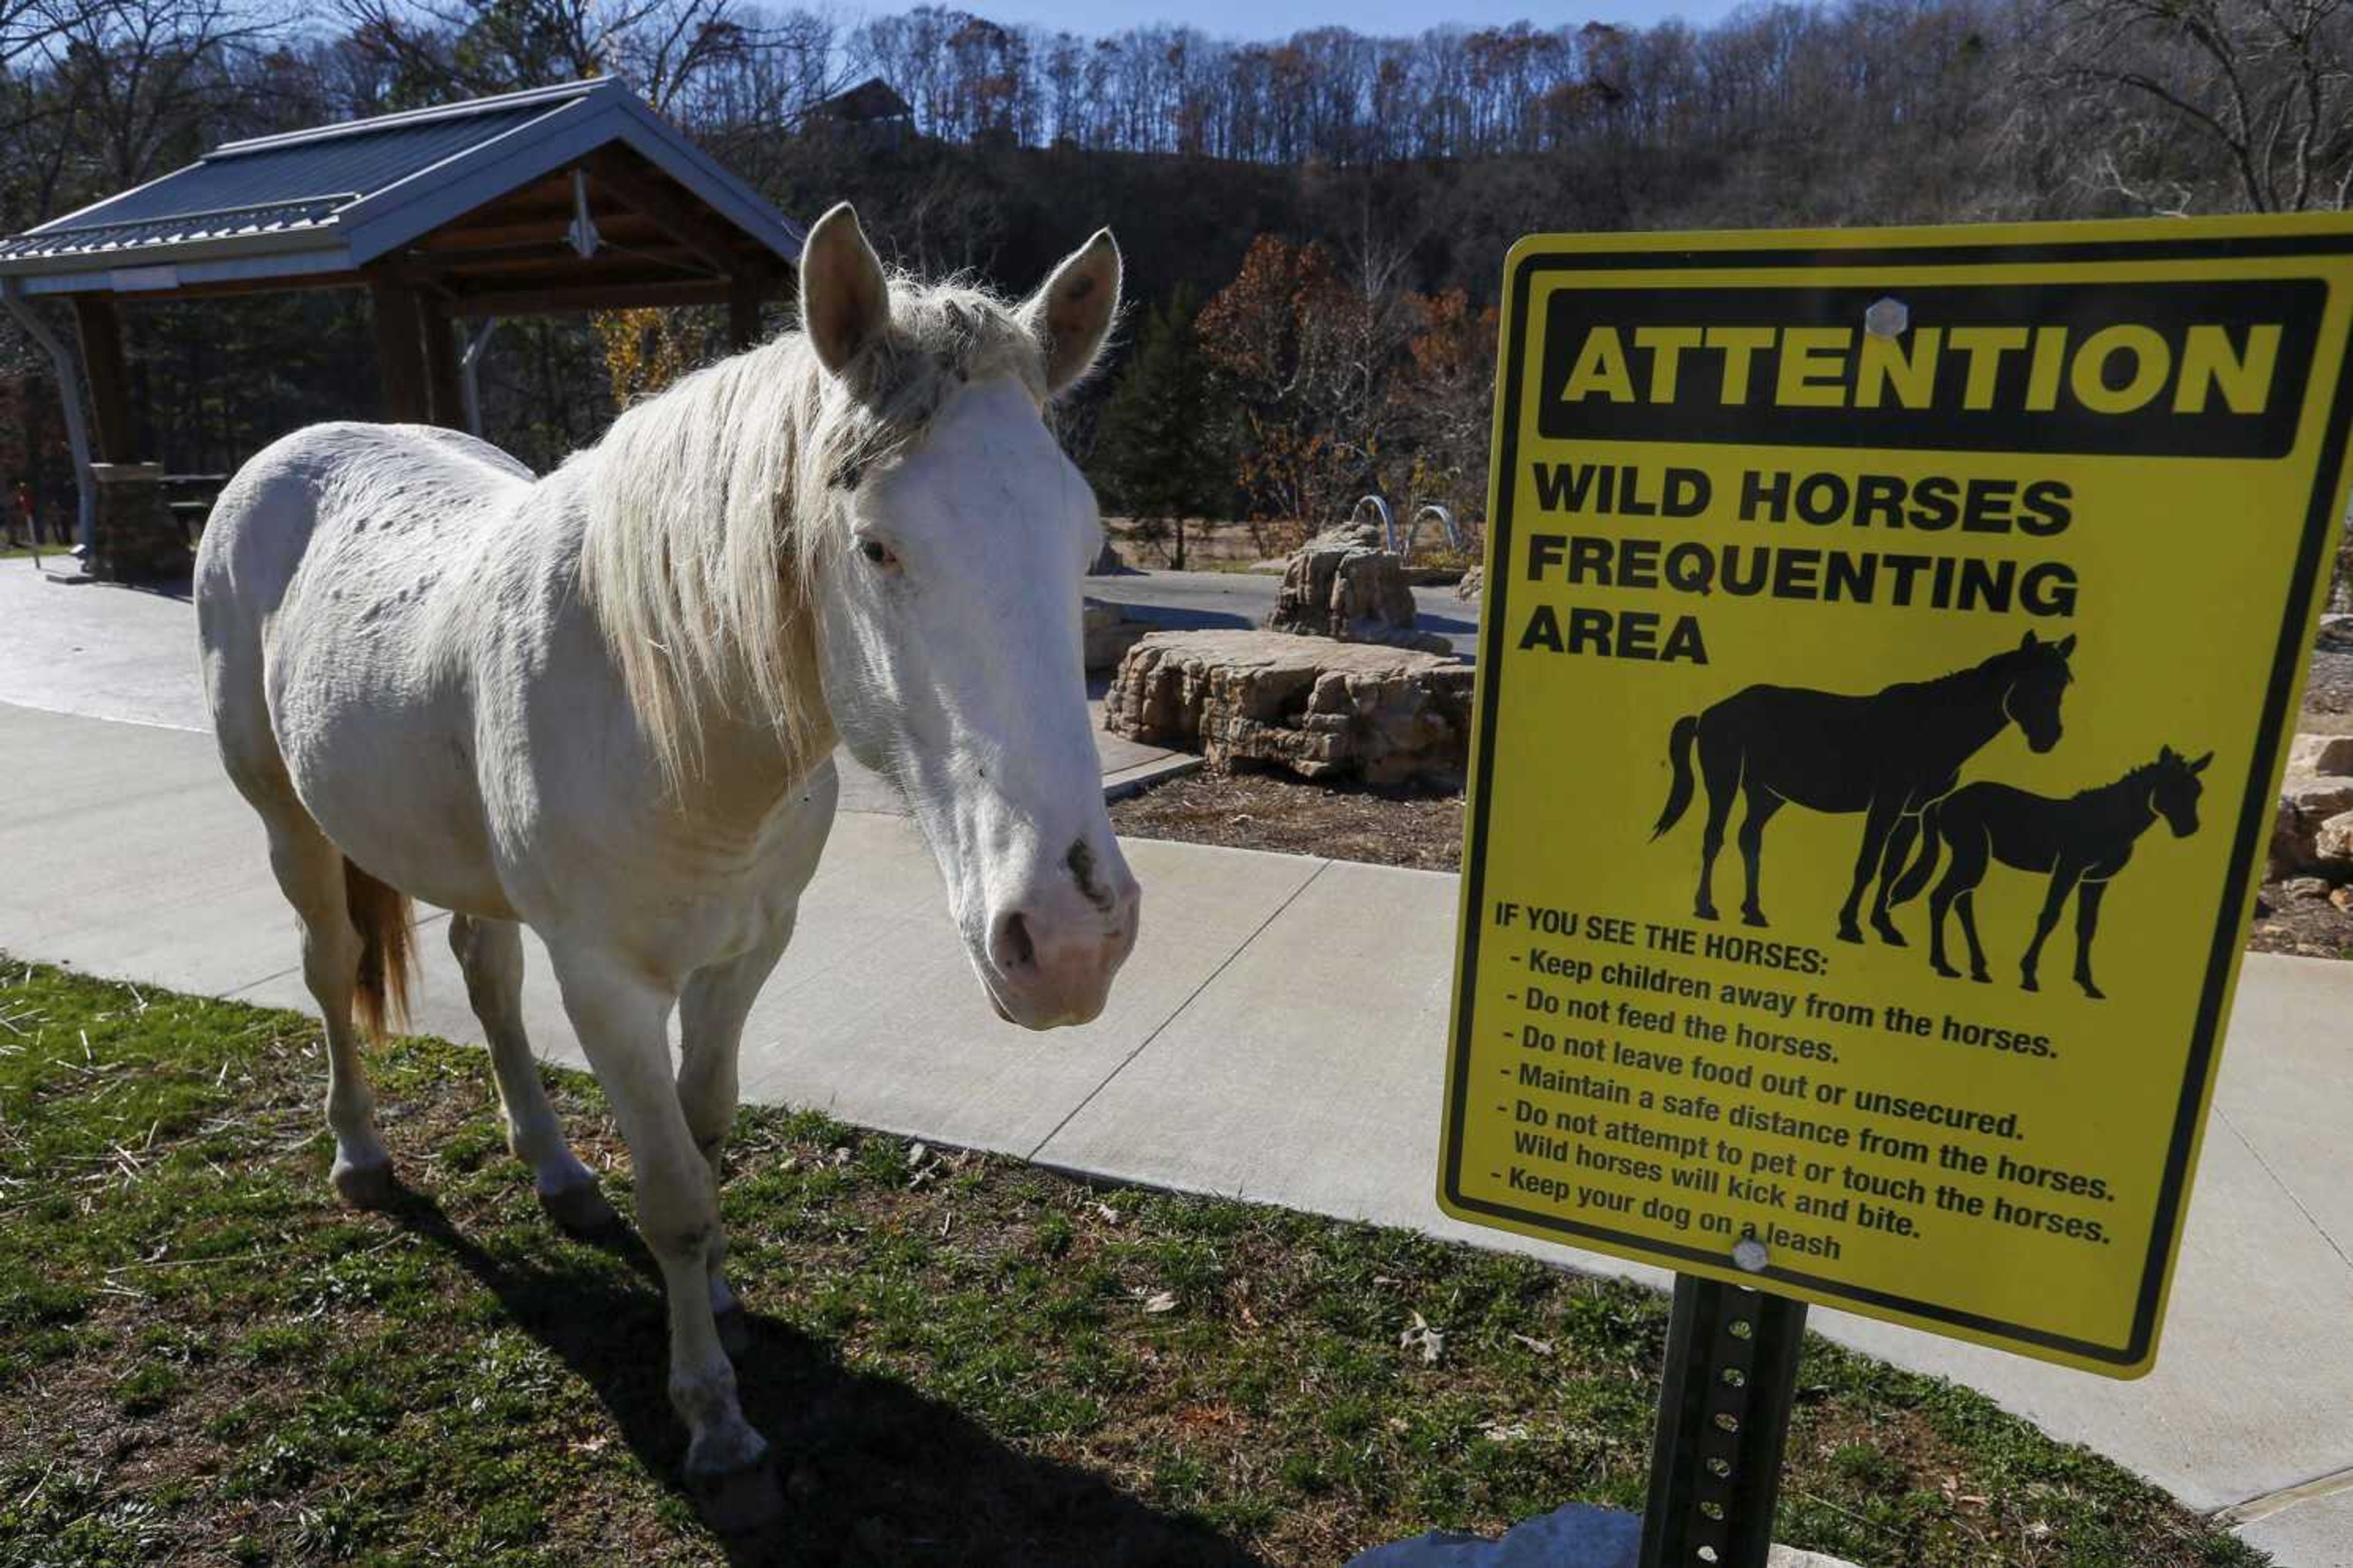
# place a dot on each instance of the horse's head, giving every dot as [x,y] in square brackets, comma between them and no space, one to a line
[2174,790]
[2038,680]
[948,611]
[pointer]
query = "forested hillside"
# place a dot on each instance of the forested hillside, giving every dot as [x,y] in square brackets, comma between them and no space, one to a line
[1338,204]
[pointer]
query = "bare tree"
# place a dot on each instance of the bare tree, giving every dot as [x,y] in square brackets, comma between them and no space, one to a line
[2268,84]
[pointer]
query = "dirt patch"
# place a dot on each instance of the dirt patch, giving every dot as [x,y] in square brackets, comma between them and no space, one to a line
[1272,811]
[2295,918]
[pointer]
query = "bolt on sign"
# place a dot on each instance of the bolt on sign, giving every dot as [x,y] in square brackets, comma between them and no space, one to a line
[1888,645]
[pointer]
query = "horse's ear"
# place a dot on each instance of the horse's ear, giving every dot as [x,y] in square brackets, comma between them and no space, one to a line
[2067,645]
[844,298]
[1072,311]
[2199,765]
[2027,641]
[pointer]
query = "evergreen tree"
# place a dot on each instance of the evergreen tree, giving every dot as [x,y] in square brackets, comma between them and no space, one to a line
[1165,448]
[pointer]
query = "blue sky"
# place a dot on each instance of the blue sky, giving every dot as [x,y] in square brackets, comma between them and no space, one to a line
[1277,19]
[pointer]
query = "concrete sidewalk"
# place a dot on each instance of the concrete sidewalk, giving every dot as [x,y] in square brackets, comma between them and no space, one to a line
[1279,1037]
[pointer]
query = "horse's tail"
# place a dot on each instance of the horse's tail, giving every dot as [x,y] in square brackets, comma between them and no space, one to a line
[1679,793]
[1924,866]
[381,914]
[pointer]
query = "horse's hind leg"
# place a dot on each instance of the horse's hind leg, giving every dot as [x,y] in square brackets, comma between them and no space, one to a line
[490,953]
[309,871]
[1969,906]
[1762,804]
[1720,767]
[2087,925]
[711,1035]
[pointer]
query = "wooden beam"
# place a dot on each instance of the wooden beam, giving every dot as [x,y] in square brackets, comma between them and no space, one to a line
[433,265]
[714,242]
[618,224]
[400,352]
[446,401]
[589,297]
[100,326]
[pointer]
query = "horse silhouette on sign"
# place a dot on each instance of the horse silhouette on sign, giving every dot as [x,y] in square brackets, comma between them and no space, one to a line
[2083,842]
[1887,754]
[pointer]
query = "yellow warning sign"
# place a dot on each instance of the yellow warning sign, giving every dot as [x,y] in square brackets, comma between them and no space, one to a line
[1887,644]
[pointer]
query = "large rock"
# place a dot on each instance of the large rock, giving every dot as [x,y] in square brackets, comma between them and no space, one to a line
[2310,754]
[1321,709]
[1108,634]
[1343,584]
[2332,843]
[2306,806]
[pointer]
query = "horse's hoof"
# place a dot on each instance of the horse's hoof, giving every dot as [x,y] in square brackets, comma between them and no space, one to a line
[580,1210]
[1704,913]
[1846,933]
[365,1186]
[1947,971]
[1983,978]
[740,1502]
[2028,984]
[1890,936]
[735,1331]
[1754,918]
[2095,993]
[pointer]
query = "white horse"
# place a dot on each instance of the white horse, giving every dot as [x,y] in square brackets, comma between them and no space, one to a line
[604,703]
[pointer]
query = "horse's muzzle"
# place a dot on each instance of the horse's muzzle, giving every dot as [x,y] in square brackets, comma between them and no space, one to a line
[1052,954]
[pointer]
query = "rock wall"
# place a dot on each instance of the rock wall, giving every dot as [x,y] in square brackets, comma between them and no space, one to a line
[1343,584]
[1318,707]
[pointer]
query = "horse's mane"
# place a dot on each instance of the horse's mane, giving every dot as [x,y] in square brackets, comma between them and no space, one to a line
[2145,775]
[711,506]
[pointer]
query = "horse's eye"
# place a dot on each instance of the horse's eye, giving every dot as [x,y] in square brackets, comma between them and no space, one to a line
[877,554]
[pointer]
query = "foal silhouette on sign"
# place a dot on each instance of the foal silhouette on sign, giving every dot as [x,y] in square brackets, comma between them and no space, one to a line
[1887,755]
[2083,842]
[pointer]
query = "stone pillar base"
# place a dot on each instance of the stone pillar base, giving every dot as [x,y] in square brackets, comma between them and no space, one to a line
[136,539]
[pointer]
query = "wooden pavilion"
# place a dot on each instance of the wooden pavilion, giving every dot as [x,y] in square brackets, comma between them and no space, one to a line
[565,198]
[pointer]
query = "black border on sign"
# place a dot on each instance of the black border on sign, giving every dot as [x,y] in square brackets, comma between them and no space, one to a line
[2320,525]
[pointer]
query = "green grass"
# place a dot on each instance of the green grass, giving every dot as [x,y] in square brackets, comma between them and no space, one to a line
[963,1360]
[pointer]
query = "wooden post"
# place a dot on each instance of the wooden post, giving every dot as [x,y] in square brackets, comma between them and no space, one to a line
[744,311]
[400,352]
[443,394]
[100,329]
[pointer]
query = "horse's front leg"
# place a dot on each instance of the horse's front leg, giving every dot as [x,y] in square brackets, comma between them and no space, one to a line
[1876,825]
[2054,900]
[711,1037]
[622,1019]
[2087,924]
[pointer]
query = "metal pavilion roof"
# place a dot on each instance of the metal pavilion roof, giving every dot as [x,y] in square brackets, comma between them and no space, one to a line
[333,199]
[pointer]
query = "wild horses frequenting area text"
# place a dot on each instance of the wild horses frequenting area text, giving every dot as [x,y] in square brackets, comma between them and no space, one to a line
[2081,842]
[1887,754]
[604,703]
